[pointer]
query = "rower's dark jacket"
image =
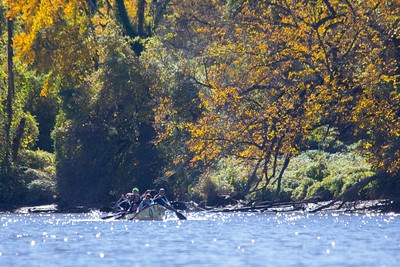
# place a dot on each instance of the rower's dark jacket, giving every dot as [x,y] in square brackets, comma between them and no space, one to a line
[162,200]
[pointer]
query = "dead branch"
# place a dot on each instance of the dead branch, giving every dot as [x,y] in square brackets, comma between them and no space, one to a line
[351,193]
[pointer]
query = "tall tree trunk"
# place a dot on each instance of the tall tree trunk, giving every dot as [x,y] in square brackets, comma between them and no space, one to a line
[10,97]
[140,16]
[279,179]
[129,29]
[19,133]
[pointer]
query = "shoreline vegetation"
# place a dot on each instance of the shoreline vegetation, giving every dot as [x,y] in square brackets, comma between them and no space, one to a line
[314,181]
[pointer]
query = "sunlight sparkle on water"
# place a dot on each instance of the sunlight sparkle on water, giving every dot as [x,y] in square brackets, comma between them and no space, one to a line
[212,238]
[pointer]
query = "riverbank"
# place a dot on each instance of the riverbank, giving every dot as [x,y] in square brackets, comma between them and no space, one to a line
[361,206]
[48,208]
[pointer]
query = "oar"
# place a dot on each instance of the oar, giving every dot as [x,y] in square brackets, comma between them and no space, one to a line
[112,215]
[178,214]
[133,217]
[115,216]
[138,211]
[107,217]
[119,214]
[167,205]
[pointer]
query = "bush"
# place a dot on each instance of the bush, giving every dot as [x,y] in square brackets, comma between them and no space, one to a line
[312,174]
[28,175]
[37,178]
[37,159]
[326,189]
[228,177]
[300,192]
[208,189]
[41,191]
[317,170]
[264,193]
[386,187]
[320,191]
[316,173]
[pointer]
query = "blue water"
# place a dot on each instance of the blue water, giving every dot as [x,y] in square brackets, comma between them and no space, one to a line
[205,239]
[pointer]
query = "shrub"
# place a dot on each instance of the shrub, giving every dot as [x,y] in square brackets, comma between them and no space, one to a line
[300,192]
[37,159]
[316,173]
[264,193]
[39,187]
[37,178]
[319,190]
[41,191]
[326,189]
[228,177]
[208,189]
[386,187]
[317,170]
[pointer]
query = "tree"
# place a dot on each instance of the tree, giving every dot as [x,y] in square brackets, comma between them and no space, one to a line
[6,177]
[176,69]
[99,148]
[6,168]
[18,126]
[277,71]
[71,43]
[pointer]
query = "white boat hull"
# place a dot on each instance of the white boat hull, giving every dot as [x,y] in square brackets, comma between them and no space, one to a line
[154,212]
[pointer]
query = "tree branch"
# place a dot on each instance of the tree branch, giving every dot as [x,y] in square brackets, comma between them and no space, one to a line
[351,192]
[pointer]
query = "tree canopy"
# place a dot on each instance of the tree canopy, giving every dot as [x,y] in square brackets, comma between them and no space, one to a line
[153,93]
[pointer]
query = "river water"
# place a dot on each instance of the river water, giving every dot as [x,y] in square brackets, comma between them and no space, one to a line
[205,239]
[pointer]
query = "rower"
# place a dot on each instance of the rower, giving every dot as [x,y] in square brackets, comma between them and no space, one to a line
[134,200]
[130,201]
[147,201]
[161,199]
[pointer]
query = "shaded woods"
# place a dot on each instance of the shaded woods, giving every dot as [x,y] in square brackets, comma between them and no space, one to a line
[218,101]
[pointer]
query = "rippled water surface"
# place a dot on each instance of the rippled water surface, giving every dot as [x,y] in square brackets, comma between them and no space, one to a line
[205,239]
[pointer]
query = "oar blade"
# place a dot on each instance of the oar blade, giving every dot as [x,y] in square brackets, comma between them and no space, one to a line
[180,216]
[119,216]
[114,216]
[107,217]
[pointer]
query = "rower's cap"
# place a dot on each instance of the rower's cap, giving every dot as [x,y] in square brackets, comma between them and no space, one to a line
[135,189]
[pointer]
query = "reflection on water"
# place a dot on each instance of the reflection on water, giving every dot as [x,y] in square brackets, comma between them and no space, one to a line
[205,239]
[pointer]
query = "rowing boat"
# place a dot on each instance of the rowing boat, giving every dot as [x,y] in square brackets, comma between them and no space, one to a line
[153,212]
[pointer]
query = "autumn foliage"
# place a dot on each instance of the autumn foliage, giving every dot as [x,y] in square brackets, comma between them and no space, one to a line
[244,79]
[284,69]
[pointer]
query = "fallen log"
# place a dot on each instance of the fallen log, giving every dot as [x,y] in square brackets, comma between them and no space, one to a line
[268,206]
[349,194]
